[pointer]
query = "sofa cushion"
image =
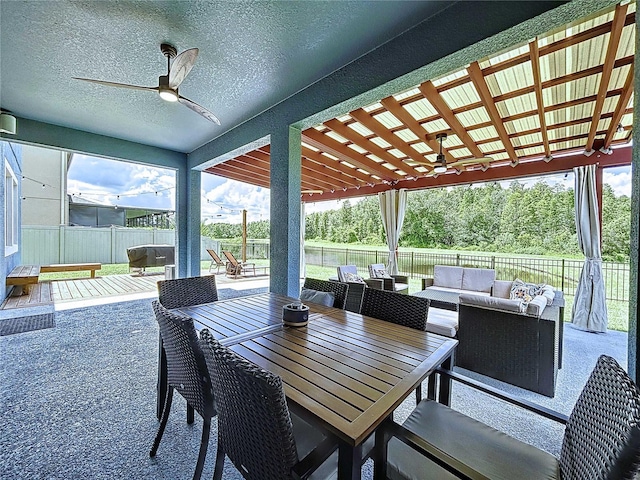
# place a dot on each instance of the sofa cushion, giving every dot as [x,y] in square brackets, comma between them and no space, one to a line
[314,296]
[495,303]
[446,276]
[537,305]
[457,290]
[502,288]
[478,279]
[442,322]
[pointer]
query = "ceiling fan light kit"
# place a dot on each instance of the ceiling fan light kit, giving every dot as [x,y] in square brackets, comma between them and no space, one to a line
[168,84]
[441,162]
[7,123]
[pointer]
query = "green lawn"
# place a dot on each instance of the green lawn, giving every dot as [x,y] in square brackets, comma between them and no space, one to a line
[618,311]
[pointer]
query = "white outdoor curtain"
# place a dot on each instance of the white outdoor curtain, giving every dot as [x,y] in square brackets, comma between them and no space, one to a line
[392,207]
[303,263]
[589,305]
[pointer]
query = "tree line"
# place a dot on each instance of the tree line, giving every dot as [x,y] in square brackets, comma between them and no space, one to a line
[539,220]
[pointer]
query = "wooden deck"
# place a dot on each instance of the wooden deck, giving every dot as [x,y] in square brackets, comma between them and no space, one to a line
[56,291]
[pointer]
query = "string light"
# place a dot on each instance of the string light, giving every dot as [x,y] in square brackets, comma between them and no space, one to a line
[127,194]
[43,184]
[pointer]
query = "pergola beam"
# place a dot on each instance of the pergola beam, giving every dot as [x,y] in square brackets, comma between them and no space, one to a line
[621,108]
[480,84]
[619,157]
[327,144]
[607,69]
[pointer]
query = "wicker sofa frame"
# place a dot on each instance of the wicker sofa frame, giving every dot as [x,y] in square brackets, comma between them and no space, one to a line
[519,349]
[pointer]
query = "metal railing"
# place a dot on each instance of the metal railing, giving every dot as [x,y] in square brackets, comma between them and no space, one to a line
[561,273]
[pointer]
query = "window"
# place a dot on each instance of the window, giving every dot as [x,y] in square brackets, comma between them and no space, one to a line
[10,211]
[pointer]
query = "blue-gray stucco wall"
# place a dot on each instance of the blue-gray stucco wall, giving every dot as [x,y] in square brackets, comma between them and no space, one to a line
[12,153]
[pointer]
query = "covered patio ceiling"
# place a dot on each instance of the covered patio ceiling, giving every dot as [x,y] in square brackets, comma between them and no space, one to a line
[562,100]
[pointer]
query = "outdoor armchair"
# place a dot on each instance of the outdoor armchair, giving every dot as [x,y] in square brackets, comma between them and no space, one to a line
[187,373]
[394,283]
[349,274]
[601,439]
[255,427]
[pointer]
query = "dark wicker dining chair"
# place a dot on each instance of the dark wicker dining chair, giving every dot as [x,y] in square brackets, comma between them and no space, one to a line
[339,289]
[184,292]
[601,439]
[255,428]
[397,308]
[187,373]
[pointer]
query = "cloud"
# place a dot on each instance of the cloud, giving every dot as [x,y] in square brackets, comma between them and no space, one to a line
[225,202]
[113,182]
[620,180]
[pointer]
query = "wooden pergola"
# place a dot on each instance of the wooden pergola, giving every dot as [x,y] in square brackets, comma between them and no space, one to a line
[562,100]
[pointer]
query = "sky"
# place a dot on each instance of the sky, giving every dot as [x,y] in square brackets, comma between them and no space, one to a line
[124,184]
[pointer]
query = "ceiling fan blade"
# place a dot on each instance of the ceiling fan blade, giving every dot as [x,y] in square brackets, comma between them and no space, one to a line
[114,84]
[199,109]
[470,161]
[181,66]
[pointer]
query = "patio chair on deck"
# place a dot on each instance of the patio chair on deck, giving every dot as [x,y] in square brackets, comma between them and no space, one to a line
[187,373]
[255,428]
[235,268]
[601,439]
[215,258]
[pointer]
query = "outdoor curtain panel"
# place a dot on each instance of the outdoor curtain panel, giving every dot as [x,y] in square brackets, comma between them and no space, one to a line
[589,305]
[392,207]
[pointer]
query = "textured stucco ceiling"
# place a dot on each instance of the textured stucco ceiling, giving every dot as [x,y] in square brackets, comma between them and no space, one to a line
[252,56]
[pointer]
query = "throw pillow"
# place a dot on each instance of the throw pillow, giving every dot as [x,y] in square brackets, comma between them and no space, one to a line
[524,291]
[381,273]
[315,296]
[353,278]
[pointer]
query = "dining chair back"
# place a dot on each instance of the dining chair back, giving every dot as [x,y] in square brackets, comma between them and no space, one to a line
[187,373]
[184,292]
[339,289]
[397,308]
[255,427]
[215,259]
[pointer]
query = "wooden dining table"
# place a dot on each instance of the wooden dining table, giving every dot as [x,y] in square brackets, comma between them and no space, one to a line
[347,371]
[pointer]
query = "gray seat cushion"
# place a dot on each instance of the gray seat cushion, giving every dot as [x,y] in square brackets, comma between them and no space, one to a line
[471,442]
[442,322]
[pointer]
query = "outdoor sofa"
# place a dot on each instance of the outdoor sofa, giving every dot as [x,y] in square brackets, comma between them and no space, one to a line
[514,340]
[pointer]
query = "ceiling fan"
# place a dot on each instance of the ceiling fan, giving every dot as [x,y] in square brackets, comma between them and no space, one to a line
[441,166]
[168,84]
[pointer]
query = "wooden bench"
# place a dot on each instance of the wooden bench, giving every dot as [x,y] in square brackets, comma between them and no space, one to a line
[21,277]
[71,267]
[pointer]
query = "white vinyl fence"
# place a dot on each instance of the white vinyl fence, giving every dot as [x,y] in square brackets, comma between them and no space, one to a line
[45,245]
